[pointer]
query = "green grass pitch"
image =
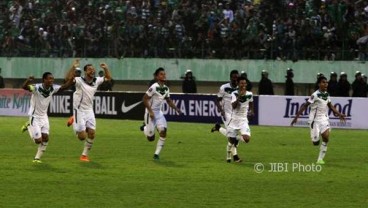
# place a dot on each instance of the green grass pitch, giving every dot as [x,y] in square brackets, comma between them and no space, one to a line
[192,171]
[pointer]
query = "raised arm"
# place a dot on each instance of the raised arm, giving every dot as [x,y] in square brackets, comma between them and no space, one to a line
[302,108]
[26,84]
[71,72]
[107,73]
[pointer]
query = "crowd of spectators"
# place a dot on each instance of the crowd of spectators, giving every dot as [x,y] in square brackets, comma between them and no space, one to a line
[230,29]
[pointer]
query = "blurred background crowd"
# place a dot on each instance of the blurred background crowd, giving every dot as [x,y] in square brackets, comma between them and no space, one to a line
[229,29]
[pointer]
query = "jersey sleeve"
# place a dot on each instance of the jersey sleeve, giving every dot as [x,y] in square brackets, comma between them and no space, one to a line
[251,97]
[56,88]
[312,99]
[151,91]
[221,92]
[233,97]
[100,80]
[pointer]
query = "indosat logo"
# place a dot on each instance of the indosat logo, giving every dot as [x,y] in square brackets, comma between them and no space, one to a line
[291,109]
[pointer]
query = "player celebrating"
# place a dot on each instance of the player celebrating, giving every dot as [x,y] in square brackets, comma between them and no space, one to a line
[224,105]
[154,117]
[318,117]
[38,124]
[84,118]
[241,101]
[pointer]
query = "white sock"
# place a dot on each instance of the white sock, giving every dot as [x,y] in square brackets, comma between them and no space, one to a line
[234,150]
[322,151]
[228,151]
[159,145]
[223,131]
[40,150]
[87,146]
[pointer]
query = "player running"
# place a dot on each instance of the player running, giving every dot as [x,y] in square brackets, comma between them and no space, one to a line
[38,125]
[154,117]
[318,121]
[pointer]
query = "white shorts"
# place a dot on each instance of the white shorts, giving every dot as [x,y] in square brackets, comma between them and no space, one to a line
[83,120]
[236,126]
[159,122]
[227,119]
[317,128]
[38,126]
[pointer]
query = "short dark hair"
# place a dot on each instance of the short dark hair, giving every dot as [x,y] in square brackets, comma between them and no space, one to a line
[241,78]
[234,72]
[319,80]
[45,75]
[158,71]
[85,67]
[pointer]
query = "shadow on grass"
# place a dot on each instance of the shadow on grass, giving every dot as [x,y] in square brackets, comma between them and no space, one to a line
[91,164]
[167,163]
[46,168]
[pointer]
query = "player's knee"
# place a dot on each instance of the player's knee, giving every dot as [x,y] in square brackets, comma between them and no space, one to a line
[151,138]
[38,140]
[246,139]
[233,140]
[82,135]
[162,132]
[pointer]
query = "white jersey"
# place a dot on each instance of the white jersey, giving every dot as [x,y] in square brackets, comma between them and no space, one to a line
[225,93]
[41,99]
[84,93]
[318,104]
[158,94]
[241,111]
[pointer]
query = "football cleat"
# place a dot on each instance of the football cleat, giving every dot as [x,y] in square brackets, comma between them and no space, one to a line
[37,161]
[237,159]
[142,127]
[320,162]
[228,160]
[84,158]
[216,127]
[156,157]
[70,121]
[24,127]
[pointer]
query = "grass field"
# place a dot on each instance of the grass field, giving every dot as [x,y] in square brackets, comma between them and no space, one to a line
[192,171]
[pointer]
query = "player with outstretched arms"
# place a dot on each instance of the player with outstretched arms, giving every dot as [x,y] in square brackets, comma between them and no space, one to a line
[84,117]
[319,103]
[38,125]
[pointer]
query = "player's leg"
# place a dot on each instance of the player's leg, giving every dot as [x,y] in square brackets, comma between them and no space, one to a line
[34,130]
[70,121]
[149,127]
[79,125]
[162,129]
[91,132]
[325,129]
[219,128]
[45,129]
[314,133]
[245,133]
[232,133]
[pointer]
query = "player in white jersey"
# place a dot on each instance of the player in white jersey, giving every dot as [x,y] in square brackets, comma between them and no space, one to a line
[84,117]
[223,104]
[154,117]
[242,107]
[38,124]
[319,103]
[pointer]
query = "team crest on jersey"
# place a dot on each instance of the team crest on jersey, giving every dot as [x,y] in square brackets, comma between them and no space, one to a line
[150,90]
[45,92]
[323,95]
[243,98]
[162,90]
